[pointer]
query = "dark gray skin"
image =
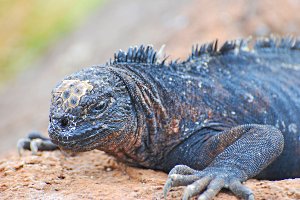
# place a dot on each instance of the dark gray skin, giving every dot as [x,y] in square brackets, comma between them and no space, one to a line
[213,121]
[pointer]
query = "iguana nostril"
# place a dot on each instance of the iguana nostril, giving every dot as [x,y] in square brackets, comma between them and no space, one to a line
[64,122]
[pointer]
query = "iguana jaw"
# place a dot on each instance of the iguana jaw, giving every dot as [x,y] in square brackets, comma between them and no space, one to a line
[78,139]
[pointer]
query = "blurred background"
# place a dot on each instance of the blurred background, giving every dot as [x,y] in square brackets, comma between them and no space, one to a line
[43,41]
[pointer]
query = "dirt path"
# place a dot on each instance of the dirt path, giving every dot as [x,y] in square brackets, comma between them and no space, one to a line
[119,24]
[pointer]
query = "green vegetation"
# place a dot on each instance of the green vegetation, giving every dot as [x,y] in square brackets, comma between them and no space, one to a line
[29,26]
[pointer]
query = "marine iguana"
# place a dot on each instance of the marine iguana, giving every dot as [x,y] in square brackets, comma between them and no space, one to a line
[212,121]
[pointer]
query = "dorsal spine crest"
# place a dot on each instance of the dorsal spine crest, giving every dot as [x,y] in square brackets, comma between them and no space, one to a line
[141,54]
[147,54]
[263,43]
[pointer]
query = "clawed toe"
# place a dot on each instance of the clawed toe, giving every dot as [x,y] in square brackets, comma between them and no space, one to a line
[240,190]
[212,189]
[175,180]
[23,144]
[195,188]
[180,175]
[35,142]
[195,185]
[183,170]
[207,183]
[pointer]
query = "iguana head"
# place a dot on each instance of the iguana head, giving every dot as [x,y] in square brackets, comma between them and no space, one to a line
[90,109]
[107,107]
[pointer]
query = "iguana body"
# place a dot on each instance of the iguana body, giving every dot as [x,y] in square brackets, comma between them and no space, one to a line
[226,112]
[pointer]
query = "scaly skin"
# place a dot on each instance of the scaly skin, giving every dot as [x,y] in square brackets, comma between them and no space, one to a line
[218,118]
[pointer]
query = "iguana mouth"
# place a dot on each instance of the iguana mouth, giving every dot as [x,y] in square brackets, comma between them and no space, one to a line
[78,139]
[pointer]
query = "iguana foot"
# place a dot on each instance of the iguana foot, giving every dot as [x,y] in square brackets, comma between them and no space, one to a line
[35,142]
[209,181]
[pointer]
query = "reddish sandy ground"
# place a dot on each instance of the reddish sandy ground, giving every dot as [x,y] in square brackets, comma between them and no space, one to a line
[94,175]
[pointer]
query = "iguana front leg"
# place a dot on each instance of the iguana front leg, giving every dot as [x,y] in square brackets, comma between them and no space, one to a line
[249,149]
[35,142]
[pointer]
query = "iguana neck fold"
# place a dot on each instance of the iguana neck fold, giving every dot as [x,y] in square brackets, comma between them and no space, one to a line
[150,113]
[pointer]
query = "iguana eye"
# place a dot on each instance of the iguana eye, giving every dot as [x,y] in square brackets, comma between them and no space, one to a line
[101,106]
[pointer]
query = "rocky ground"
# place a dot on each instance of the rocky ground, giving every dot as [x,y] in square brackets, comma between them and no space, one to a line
[94,175]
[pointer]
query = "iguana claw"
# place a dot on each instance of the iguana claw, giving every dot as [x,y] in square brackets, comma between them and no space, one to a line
[35,142]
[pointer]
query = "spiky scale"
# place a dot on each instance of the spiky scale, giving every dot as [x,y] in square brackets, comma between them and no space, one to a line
[227,46]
